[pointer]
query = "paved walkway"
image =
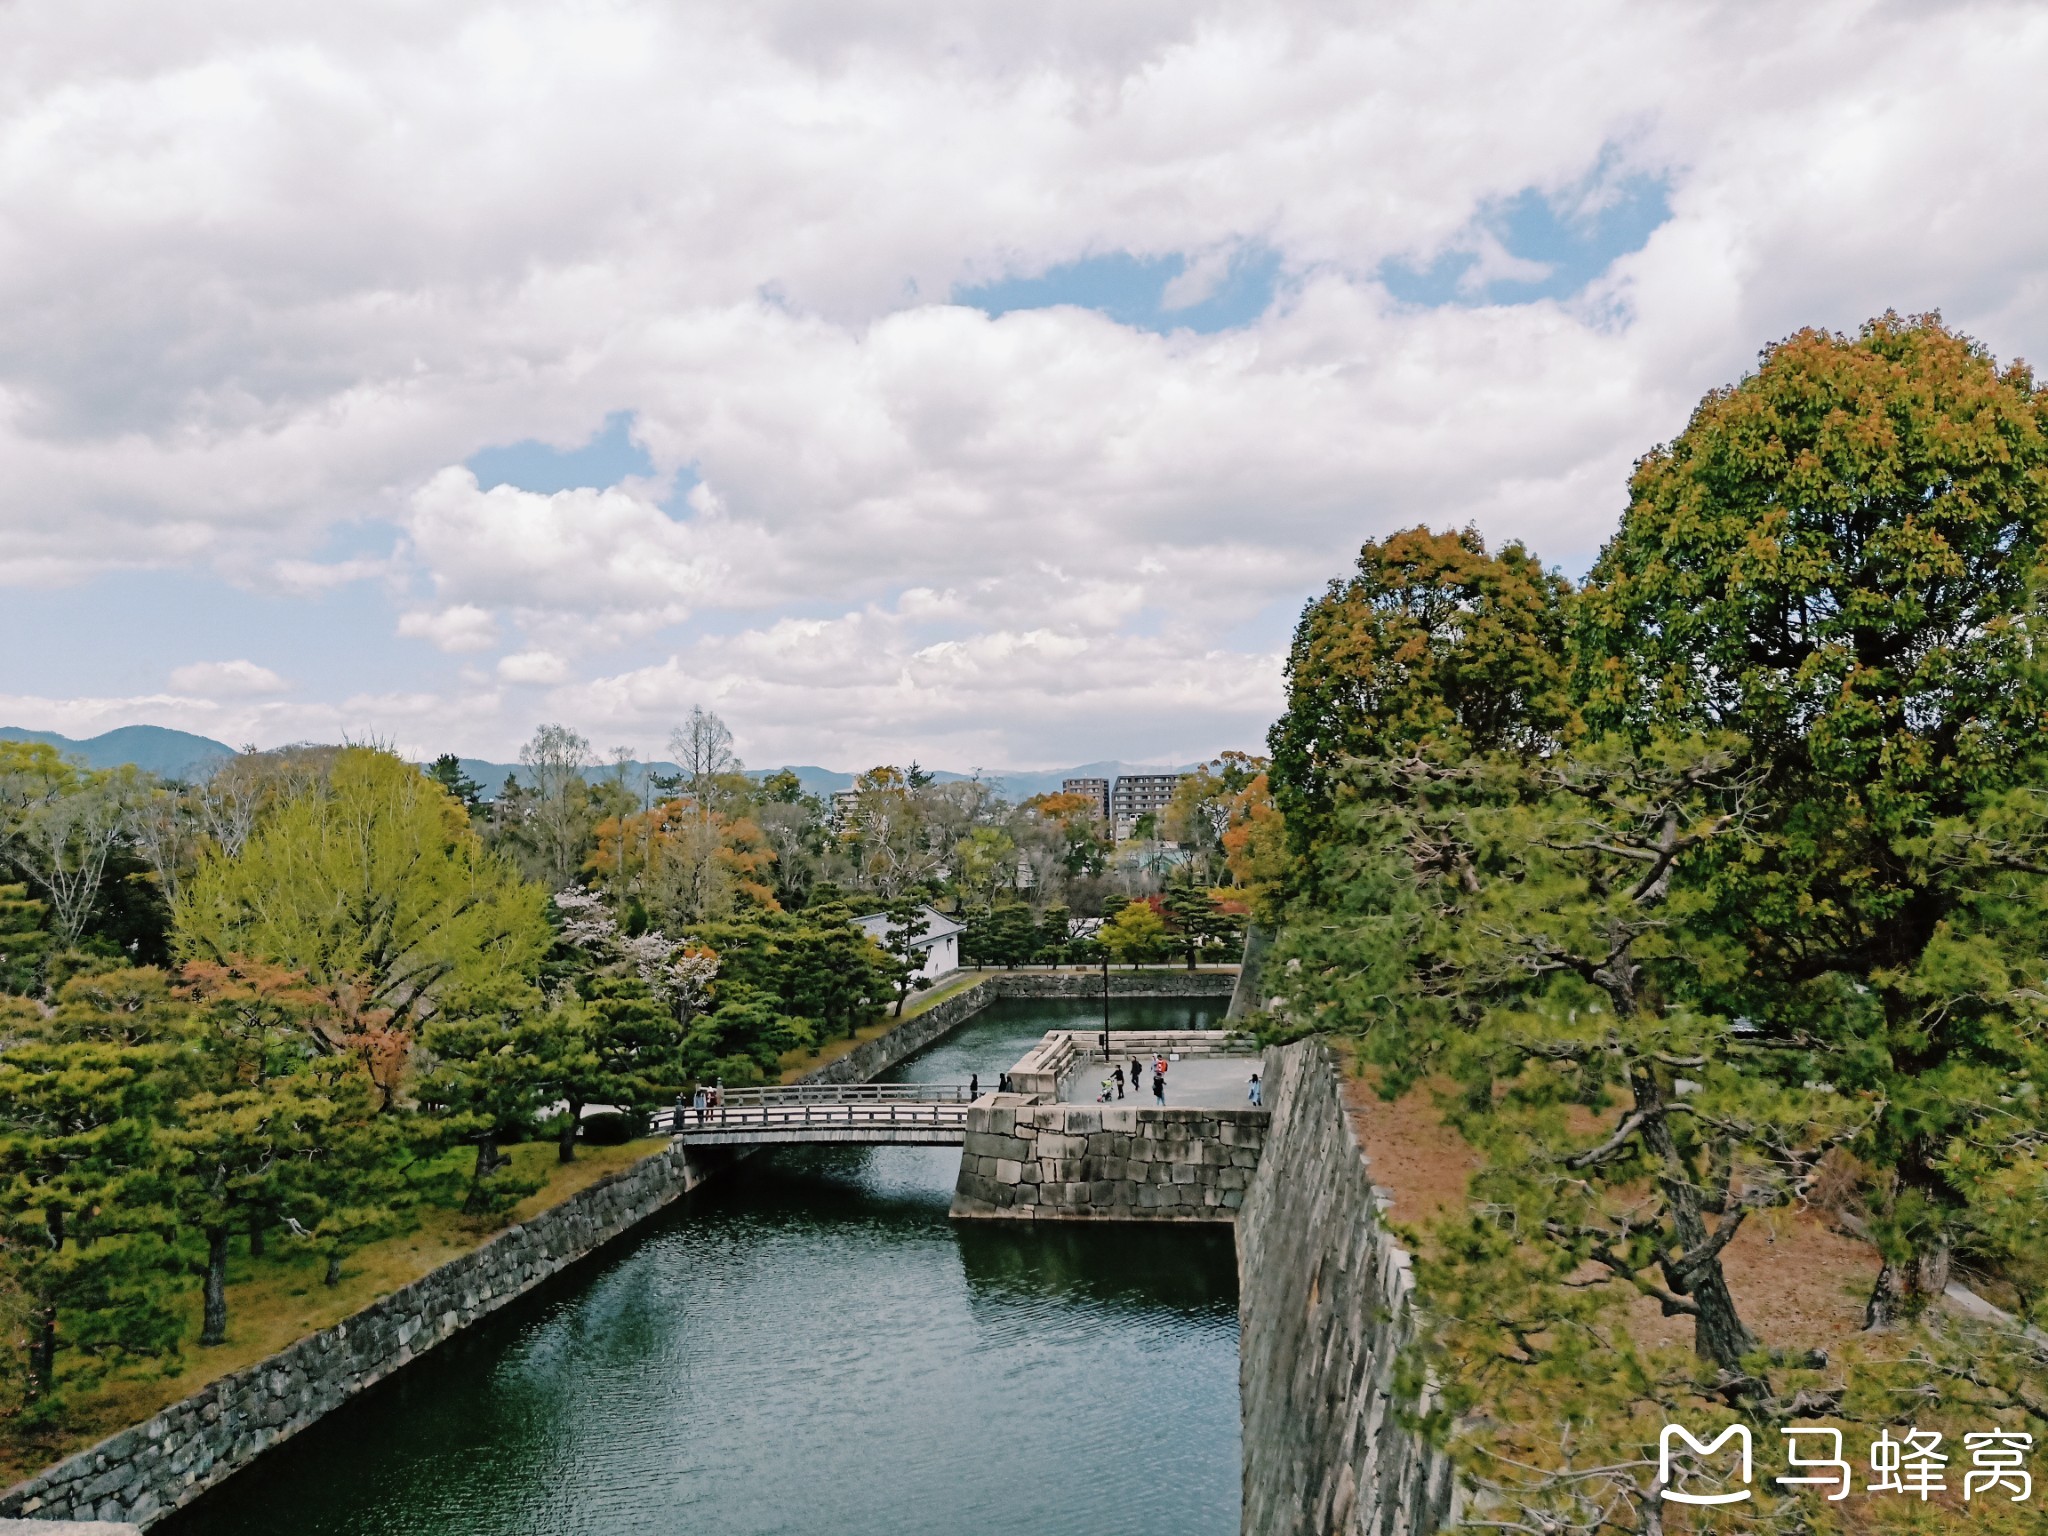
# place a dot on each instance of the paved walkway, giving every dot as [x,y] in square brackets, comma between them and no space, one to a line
[1193,1082]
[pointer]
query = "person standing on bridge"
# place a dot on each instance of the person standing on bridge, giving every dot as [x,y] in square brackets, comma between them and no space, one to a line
[698,1101]
[973,1085]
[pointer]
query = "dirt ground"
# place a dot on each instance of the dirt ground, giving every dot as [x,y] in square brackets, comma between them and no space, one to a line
[1798,1283]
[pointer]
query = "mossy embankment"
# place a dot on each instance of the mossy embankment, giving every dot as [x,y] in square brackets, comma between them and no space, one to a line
[280,1296]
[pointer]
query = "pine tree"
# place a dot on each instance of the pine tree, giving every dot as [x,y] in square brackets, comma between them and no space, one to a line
[447,772]
[24,939]
[83,1231]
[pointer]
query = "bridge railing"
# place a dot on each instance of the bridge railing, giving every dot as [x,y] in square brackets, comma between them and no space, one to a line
[870,1114]
[845,1093]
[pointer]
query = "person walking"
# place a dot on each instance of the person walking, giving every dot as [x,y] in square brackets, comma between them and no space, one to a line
[1258,1092]
[698,1100]
[1159,1085]
[1119,1080]
[1137,1076]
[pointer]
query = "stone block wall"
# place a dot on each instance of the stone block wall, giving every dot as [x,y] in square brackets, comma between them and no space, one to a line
[1325,1305]
[1076,1162]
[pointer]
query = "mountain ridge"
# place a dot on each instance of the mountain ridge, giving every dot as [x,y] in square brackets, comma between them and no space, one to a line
[174,754]
[155,749]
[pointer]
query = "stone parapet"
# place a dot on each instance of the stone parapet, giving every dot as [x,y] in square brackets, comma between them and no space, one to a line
[1325,1308]
[1077,1162]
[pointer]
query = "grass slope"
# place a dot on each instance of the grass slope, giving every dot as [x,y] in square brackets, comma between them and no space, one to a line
[280,1298]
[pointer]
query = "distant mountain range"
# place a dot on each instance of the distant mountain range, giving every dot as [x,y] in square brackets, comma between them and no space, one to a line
[178,754]
[165,753]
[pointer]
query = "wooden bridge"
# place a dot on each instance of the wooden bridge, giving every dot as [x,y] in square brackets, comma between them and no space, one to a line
[855,1114]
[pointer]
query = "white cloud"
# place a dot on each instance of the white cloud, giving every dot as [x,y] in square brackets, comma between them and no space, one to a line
[855,688]
[276,272]
[533,667]
[226,679]
[463,627]
[608,557]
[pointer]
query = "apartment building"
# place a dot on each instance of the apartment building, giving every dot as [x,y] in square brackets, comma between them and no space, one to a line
[1140,794]
[1095,791]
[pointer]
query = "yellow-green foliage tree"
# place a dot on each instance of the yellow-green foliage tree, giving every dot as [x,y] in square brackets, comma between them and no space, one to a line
[368,878]
[1136,934]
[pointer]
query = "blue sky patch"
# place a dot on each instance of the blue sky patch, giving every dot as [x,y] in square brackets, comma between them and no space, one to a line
[1576,235]
[609,457]
[1132,290]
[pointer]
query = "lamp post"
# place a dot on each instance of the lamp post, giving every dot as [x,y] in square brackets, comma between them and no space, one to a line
[1105,1003]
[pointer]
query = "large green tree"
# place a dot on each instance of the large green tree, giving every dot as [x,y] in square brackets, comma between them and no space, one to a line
[1432,643]
[1837,560]
[368,877]
[1525,928]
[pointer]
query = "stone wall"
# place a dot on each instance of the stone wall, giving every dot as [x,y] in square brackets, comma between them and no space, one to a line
[1324,1308]
[148,1469]
[1249,994]
[1080,1162]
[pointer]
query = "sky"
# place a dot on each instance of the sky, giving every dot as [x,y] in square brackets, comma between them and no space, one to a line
[980,383]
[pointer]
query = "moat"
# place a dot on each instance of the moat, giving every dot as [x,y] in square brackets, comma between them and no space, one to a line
[808,1344]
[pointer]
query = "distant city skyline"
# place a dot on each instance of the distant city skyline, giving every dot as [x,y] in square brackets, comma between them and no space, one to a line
[980,386]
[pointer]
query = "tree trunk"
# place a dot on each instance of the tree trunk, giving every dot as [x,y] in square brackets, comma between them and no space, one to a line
[486,1165]
[1904,1291]
[565,1145]
[1931,1268]
[333,1269]
[1718,1333]
[42,1355]
[215,1330]
[1888,1305]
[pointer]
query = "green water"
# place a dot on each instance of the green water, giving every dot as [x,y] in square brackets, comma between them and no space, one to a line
[807,1344]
